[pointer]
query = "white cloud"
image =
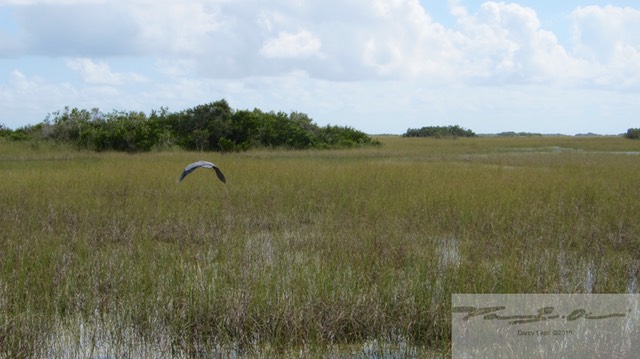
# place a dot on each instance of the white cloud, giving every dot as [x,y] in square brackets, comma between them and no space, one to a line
[406,42]
[100,73]
[184,28]
[19,81]
[288,45]
[505,42]
[599,31]
[356,40]
[457,9]
[608,37]
[336,40]
[27,99]
[77,30]
[175,67]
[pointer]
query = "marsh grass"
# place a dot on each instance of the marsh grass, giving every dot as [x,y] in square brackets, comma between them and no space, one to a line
[302,253]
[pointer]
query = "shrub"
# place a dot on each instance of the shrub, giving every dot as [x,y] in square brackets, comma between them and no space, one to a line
[209,127]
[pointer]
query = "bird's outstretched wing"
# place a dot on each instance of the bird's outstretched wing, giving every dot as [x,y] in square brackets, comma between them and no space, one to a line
[219,174]
[204,164]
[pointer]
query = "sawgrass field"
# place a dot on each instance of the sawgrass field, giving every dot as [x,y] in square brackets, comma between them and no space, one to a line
[302,253]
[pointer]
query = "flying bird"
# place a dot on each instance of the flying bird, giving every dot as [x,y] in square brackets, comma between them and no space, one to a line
[204,164]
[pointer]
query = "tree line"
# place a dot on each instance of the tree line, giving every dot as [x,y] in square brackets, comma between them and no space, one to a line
[209,127]
[439,132]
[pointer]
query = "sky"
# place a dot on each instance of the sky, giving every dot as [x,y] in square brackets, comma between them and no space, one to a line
[380,66]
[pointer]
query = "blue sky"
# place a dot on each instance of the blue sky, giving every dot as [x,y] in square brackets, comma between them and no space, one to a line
[380,66]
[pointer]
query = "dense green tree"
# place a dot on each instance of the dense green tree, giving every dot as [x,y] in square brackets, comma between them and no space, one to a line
[4,130]
[71,125]
[210,127]
[633,133]
[439,131]
[202,127]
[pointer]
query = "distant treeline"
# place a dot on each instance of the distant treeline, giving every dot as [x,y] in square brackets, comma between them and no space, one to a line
[518,134]
[439,132]
[210,127]
[633,133]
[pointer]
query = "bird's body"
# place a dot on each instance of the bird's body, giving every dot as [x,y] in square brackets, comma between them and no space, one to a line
[204,164]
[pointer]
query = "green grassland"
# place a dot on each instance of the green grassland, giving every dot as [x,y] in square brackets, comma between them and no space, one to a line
[302,253]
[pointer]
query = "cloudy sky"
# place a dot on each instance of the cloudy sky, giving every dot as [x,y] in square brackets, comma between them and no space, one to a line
[380,66]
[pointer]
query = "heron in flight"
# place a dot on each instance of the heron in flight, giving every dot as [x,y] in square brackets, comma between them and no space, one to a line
[204,164]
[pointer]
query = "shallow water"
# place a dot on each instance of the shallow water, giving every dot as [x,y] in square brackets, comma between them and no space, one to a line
[89,339]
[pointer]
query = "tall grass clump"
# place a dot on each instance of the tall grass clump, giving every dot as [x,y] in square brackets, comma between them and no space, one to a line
[314,253]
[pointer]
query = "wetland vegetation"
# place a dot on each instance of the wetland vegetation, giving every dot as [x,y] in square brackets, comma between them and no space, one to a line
[303,252]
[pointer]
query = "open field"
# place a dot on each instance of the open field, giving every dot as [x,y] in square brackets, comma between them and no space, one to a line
[302,253]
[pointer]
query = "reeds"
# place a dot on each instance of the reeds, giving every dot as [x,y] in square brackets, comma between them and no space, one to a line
[302,251]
